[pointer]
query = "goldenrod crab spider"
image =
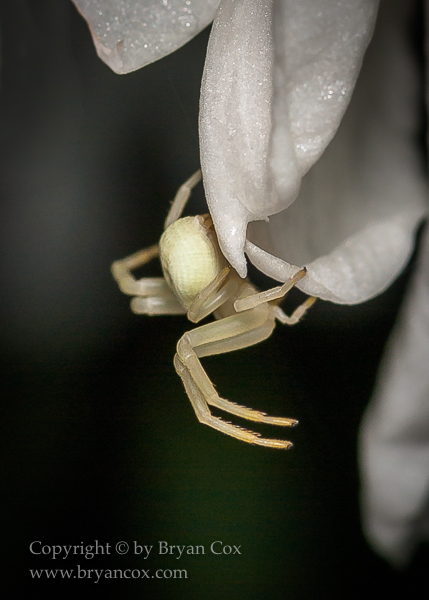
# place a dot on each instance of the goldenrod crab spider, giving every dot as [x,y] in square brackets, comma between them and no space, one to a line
[198,281]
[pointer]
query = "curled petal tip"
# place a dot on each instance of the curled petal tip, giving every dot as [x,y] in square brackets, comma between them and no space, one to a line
[232,237]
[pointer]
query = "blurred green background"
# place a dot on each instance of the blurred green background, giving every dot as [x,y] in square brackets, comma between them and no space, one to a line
[100,440]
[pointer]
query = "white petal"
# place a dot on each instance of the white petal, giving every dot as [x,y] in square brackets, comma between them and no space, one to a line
[235,120]
[319,48]
[354,271]
[353,221]
[395,433]
[129,34]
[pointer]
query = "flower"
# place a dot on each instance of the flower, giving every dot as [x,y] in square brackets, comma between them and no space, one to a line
[287,188]
[271,101]
[350,224]
[394,440]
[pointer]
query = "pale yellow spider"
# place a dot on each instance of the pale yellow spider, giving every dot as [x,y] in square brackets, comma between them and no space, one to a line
[198,281]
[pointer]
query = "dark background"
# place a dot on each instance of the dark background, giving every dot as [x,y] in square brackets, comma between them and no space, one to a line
[100,440]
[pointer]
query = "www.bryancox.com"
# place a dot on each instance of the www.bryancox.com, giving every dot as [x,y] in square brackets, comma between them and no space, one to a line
[96,574]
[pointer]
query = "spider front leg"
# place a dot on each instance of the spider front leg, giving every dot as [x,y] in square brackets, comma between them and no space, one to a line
[223,287]
[232,333]
[278,293]
[182,198]
[152,294]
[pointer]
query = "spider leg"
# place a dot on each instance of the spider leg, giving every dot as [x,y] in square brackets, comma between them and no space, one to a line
[297,314]
[199,404]
[157,304]
[278,293]
[223,287]
[249,413]
[273,294]
[121,271]
[231,333]
[181,198]
[152,294]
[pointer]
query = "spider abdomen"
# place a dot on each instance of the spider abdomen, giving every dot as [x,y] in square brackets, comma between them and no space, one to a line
[190,256]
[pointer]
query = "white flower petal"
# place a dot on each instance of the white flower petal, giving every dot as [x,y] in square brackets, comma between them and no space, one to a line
[236,103]
[319,45]
[395,433]
[357,269]
[129,34]
[353,221]
[235,120]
